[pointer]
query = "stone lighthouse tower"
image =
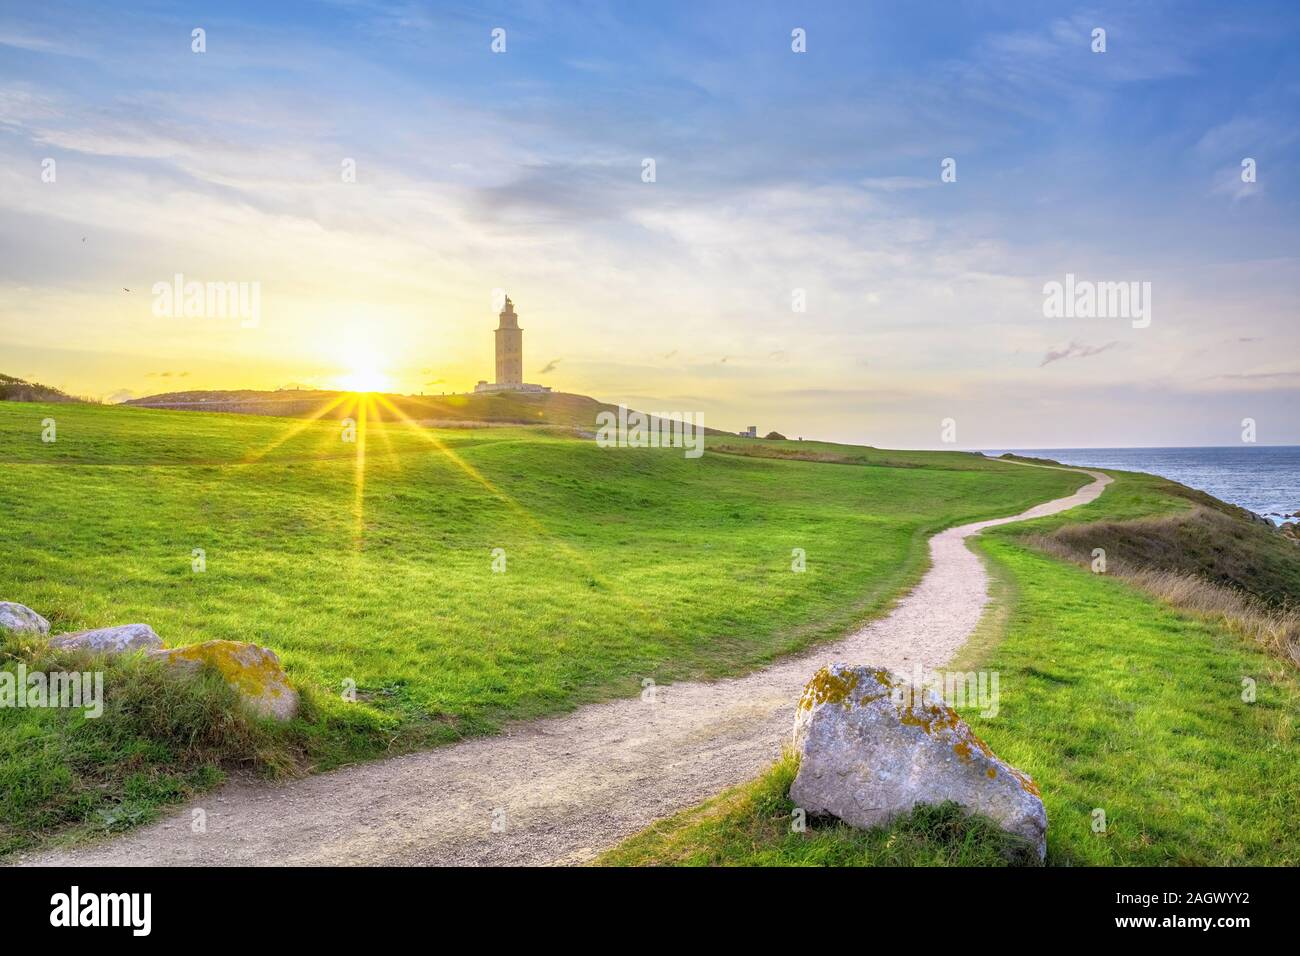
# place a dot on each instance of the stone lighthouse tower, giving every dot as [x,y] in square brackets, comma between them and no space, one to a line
[510,347]
[510,356]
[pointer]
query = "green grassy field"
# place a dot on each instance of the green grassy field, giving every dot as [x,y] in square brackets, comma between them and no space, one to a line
[372,562]
[1113,701]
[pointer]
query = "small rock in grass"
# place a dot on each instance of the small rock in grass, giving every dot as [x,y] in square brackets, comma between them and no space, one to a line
[872,748]
[110,640]
[253,671]
[21,619]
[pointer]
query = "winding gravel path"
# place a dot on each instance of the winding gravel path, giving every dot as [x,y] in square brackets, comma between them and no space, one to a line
[561,790]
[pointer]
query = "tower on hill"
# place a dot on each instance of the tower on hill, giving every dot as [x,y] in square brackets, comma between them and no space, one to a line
[510,347]
[510,356]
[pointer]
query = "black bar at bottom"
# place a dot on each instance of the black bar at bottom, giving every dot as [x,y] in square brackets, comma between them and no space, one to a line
[336,906]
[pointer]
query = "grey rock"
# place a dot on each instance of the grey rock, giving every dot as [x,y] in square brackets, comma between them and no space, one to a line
[22,619]
[110,640]
[872,748]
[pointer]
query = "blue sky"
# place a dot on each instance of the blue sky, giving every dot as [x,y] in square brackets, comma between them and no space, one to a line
[775,171]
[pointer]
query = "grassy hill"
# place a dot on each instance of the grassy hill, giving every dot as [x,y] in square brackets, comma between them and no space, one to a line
[1122,692]
[371,562]
[833,453]
[495,408]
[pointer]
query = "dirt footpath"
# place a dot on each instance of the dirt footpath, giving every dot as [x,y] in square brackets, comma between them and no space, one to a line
[561,790]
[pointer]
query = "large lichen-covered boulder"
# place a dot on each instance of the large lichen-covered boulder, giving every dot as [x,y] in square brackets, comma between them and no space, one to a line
[871,747]
[110,640]
[253,671]
[22,619]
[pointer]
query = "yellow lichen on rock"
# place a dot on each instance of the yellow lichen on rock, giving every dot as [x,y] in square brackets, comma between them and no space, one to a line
[253,671]
[829,687]
[929,717]
[1026,782]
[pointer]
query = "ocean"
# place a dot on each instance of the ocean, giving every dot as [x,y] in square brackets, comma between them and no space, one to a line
[1262,478]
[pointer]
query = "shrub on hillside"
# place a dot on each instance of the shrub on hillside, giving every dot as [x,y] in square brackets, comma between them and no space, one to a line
[1224,548]
[17,390]
[163,735]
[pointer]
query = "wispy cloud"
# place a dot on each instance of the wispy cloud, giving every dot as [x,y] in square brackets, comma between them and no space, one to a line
[774,173]
[1075,350]
[1286,378]
[20,40]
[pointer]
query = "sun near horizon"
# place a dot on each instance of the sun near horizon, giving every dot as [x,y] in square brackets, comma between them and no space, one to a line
[886,275]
